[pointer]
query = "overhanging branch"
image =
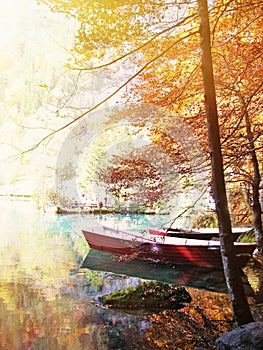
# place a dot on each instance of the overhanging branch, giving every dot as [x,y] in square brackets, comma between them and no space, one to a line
[110,95]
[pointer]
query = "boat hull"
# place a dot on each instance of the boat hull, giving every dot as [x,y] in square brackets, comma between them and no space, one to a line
[184,253]
[203,234]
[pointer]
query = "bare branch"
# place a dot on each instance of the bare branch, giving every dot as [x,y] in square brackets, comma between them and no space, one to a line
[110,95]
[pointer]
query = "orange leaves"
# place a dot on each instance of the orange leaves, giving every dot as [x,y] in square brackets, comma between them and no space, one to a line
[196,325]
[135,179]
[163,38]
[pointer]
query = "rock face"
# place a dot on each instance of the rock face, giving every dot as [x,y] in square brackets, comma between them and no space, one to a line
[247,337]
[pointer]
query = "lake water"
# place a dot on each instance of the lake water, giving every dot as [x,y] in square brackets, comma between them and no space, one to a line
[49,279]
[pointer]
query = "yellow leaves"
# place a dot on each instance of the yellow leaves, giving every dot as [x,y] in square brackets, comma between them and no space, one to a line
[43,85]
[194,313]
[196,325]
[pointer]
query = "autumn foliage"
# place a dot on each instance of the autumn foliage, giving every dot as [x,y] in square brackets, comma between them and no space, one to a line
[161,40]
[135,179]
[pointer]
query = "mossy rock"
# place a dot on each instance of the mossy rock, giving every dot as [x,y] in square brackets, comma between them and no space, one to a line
[150,295]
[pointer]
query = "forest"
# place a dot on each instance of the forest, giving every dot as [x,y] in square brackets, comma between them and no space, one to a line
[197,67]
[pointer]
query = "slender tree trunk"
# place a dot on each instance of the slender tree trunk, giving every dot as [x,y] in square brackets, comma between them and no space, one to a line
[256,207]
[240,307]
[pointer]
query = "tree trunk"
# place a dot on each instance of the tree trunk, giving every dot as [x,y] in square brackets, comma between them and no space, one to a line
[240,307]
[255,200]
[256,207]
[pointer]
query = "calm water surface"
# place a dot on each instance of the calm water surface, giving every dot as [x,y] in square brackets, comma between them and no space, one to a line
[49,279]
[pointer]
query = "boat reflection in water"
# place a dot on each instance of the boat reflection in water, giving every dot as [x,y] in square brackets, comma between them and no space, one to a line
[211,279]
[46,297]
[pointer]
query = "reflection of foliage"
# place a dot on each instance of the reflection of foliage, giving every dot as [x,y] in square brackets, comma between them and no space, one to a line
[96,280]
[37,323]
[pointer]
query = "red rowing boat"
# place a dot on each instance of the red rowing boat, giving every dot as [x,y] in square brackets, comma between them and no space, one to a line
[165,249]
[204,233]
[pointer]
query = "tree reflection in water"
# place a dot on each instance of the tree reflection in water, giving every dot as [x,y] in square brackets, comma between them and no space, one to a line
[46,298]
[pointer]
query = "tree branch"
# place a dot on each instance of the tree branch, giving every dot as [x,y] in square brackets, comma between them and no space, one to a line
[110,95]
[135,50]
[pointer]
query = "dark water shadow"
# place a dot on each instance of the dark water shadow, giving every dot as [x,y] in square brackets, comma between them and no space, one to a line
[191,276]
